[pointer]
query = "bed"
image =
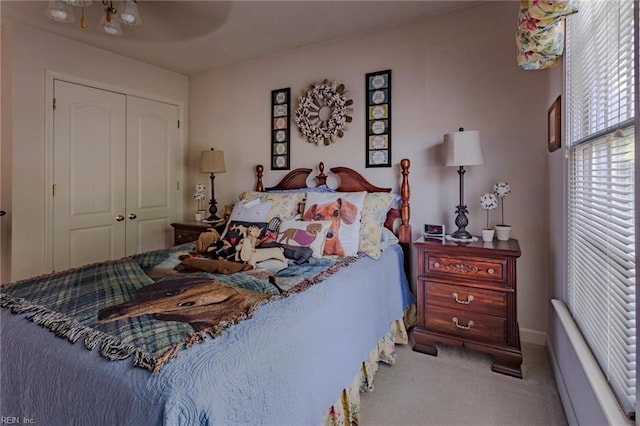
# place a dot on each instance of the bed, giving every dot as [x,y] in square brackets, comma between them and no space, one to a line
[299,355]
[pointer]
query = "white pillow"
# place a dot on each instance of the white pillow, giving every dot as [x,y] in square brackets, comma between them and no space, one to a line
[304,234]
[251,211]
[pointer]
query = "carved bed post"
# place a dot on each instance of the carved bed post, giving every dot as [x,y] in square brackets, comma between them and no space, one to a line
[259,171]
[404,231]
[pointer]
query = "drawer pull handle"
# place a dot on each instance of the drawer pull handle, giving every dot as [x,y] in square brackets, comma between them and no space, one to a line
[436,265]
[491,270]
[463,302]
[464,327]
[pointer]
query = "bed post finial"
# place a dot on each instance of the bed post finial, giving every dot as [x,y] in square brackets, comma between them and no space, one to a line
[321,179]
[259,171]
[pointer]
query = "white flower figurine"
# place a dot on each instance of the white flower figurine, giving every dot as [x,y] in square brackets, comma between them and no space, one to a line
[501,189]
[488,201]
[199,195]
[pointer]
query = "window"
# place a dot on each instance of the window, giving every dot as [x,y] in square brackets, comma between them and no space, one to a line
[601,189]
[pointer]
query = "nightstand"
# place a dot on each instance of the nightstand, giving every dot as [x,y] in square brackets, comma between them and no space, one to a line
[185,232]
[467,296]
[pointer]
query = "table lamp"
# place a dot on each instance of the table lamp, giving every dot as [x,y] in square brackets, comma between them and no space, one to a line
[461,149]
[212,162]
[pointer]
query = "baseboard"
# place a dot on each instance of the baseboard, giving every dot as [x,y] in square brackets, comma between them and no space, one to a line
[533,336]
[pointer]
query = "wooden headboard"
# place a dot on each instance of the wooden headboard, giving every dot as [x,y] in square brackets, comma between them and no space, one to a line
[352,181]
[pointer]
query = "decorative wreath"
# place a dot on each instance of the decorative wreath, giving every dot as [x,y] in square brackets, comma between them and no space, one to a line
[323,112]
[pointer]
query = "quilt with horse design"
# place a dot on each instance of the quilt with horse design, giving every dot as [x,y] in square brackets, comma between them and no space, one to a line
[118,307]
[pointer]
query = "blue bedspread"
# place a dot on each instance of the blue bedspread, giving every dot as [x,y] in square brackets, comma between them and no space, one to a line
[285,365]
[69,302]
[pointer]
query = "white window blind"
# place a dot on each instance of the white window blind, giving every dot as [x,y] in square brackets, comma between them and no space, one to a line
[601,188]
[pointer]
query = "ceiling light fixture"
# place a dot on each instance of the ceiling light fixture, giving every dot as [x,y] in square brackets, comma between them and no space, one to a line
[61,11]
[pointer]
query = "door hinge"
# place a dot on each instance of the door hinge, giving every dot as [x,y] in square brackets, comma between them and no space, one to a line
[178,185]
[53,190]
[178,124]
[54,103]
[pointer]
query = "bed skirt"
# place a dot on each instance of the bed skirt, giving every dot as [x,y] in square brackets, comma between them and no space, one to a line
[346,410]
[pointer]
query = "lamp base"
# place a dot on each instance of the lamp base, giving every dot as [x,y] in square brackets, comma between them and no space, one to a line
[213,210]
[461,222]
[462,234]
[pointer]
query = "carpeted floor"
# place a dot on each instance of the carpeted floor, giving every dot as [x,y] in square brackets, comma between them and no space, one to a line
[458,388]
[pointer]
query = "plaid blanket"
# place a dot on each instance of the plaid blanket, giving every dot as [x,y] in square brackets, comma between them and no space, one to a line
[67,303]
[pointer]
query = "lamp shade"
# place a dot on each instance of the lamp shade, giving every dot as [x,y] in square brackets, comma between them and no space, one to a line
[462,148]
[212,162]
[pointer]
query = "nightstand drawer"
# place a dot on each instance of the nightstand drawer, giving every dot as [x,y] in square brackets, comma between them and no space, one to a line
[467,298]
[182,237]
[186,232]
[486,269]
[466,324]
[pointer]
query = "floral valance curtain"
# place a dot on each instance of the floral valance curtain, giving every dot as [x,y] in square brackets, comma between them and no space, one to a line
[540,36]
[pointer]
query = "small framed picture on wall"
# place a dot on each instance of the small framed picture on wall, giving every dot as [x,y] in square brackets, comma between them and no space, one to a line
[378,119]
[554,125]
[280,129]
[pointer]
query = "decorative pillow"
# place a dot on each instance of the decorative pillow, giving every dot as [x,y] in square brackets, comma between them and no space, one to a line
[237,230]
[274,225]
[249,211]
[298,233]
[344,210]
[374,214]
[283,205]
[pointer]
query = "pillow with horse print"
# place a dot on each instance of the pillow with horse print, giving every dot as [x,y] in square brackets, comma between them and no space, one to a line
[299,233]
[344,210]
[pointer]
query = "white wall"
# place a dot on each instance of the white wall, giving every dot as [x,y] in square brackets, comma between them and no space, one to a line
[5,154]
[453,70]
[33,53]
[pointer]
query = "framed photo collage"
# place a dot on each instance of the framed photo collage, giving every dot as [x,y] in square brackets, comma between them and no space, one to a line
[281,129]
[378,119]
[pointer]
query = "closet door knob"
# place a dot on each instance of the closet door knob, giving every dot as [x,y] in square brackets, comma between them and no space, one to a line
[2,212]
[119,218]
[132,216]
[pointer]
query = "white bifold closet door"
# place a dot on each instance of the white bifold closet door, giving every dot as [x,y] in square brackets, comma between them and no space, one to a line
[115,170]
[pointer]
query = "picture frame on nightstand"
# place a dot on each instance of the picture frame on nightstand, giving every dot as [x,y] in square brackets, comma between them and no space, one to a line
[434,232]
